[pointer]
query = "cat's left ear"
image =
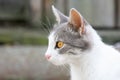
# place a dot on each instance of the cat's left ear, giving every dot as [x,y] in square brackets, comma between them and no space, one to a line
[77,21]
[60,17]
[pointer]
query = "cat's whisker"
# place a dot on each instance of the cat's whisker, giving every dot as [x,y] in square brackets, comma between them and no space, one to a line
[61,69]
[66,68]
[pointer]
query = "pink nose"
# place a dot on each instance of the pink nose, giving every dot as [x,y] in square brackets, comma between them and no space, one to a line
[47,56]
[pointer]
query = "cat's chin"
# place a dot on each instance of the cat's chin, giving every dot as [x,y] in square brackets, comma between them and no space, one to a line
[57,63]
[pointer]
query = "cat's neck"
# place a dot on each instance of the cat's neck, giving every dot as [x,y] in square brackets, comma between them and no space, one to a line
[83,67]
[92,36]
[81,70]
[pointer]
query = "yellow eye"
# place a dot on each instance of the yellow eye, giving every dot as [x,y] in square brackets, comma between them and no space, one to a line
[59,44]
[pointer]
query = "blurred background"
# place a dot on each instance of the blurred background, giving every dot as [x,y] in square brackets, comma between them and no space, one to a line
[25,25]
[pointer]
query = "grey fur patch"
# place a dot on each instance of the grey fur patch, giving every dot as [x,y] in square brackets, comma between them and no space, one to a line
[72,39]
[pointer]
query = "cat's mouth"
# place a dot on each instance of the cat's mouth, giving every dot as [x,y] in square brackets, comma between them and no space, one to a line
[57,61]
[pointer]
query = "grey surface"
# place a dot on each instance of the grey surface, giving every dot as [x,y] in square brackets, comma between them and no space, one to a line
[28,62]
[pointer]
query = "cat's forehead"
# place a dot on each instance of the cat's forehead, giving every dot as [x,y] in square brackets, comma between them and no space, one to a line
[63,32]
[57,30]
[60,27]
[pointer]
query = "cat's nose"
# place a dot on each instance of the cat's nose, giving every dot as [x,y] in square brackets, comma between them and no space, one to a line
[47,56]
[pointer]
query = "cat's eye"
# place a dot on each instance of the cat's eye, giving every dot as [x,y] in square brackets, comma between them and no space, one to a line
[59,44]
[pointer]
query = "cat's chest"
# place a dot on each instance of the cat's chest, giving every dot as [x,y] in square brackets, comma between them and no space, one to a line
[97,67]
[86,73]
[82,72]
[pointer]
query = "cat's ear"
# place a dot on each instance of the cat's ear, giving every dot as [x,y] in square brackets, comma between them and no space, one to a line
[77,21]
[60,17]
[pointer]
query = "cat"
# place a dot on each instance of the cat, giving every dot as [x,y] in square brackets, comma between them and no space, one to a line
[73,41]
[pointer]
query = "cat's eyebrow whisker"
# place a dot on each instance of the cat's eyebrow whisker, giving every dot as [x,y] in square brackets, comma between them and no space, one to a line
[49,23]
[46,25]
[45,28]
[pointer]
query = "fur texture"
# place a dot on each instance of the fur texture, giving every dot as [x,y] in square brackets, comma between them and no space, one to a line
[89,58]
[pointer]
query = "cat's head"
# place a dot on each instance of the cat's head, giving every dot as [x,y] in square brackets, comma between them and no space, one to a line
[69,38]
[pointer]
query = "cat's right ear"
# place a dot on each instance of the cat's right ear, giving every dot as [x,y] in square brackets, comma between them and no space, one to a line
[60,17]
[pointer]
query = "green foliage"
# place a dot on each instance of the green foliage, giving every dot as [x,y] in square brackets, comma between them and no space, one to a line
[23,38]
[33,41]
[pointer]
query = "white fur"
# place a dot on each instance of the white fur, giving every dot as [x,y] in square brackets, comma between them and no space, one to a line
[102,62]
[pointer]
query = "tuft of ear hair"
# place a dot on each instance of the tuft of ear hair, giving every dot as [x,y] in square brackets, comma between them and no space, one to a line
[77,21]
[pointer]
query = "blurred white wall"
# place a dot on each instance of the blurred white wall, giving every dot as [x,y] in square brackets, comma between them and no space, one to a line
[97,12]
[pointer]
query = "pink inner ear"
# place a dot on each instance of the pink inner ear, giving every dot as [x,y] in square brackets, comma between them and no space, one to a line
[75,18]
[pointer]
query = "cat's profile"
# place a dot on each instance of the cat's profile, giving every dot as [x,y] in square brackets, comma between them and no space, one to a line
[73,41]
